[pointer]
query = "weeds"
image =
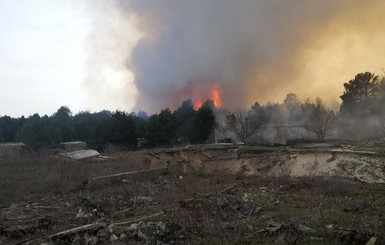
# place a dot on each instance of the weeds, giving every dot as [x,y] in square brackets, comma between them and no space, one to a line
[203,207]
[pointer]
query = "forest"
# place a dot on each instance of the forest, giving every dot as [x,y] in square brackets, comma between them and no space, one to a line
[361,116]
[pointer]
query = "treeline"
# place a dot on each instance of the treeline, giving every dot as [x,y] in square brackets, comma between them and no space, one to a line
[361,116]
[362,112]
[118,128]
[278,122]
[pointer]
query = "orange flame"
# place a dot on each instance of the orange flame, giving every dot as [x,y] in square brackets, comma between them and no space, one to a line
[215,96]
[197,105]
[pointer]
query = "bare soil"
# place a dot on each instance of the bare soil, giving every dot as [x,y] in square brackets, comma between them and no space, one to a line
[210,196]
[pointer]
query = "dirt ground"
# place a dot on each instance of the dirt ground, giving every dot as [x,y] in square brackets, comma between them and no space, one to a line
[206,196]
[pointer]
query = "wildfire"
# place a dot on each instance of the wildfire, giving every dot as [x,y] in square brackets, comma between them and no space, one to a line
[197,105]
[215,96]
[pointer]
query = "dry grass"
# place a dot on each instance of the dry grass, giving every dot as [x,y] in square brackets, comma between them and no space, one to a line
[23,178]
[338,210]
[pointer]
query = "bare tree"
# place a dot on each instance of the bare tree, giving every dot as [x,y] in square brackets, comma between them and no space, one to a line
[320,121]
[246,124]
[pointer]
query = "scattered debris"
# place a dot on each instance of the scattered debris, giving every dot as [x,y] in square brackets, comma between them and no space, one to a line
[113,238]
[254,199]
[82,214]
[371,241]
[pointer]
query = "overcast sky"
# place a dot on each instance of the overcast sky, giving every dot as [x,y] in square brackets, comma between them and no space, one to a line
[42,56]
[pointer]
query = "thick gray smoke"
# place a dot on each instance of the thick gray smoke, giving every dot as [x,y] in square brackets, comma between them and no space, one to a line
[249,48]
[198,43]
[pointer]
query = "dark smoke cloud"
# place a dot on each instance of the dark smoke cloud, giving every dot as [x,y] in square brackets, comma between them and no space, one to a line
[249,48]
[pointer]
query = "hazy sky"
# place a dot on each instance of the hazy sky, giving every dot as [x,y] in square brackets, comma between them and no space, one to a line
[42,56]
[150,54]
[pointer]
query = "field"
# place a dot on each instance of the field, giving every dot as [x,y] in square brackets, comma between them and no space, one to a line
[203,196]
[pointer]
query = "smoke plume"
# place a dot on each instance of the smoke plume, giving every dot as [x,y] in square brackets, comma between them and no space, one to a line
[252,50]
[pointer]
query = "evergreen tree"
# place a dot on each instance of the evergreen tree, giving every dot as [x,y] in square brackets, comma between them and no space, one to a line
[203,123]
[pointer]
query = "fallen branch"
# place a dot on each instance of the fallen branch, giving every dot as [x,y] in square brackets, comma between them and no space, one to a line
[100,224]
[96,225]
[129,173]
[223,191]
[227,189]
[123,211]
[137,219]
[202,151]
[26,241]
[153,154]
[47,207]
[352,175]
[233,208]
[206,154]
[185,202]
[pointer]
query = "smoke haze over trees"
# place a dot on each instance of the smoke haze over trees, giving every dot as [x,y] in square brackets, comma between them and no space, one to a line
[362,109]
[361,116]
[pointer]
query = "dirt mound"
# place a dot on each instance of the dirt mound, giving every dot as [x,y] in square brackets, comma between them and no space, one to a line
[270,161]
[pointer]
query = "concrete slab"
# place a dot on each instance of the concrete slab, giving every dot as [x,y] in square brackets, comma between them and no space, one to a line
[81,154]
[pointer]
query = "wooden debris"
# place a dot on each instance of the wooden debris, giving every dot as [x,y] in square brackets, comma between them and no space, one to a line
[227,189]
[140,218]
[47,207]
[153,154]
[233,208]
[123,211]
[206,154]
[92,226]
[130,173]
[100,224]
[187,202]
[371,241]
